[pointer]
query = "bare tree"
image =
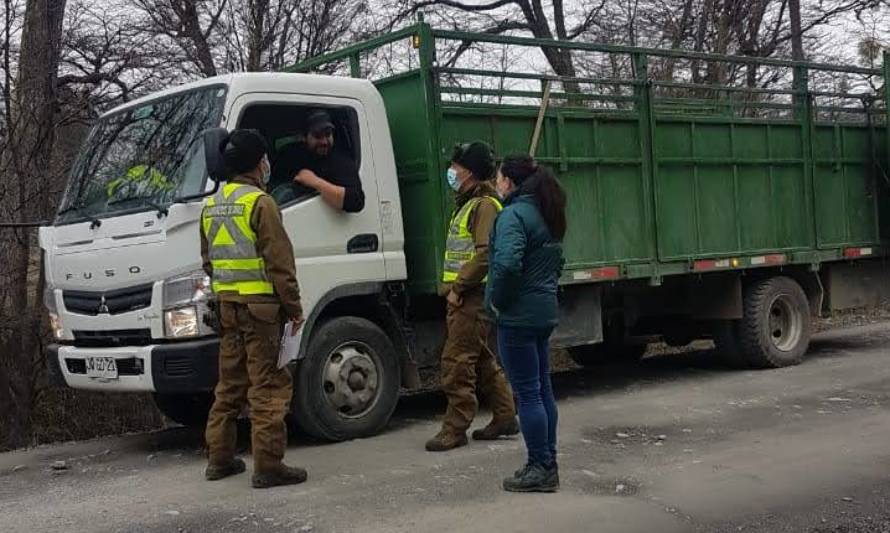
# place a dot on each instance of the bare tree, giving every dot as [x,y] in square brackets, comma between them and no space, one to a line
[531,16]
[796,30]
[30,119]
[218,36]
[188,24]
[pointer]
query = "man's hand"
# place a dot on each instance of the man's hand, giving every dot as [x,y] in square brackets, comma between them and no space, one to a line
[297,324]
[333,195]
[307,178]
[454,300]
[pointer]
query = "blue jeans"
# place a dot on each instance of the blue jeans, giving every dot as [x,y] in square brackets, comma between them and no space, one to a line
[525,355]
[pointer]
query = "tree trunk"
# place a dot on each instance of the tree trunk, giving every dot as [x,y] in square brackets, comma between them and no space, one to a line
[25,180]
[796,32]
[678,34]
[256,34]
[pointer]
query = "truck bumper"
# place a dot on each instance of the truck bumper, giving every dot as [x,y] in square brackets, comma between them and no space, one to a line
[182,367]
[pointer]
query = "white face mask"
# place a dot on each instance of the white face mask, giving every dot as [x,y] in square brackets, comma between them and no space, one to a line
[503,186]
[267,170]
[452,179]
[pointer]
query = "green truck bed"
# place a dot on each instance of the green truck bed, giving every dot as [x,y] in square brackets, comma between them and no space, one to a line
[663,178]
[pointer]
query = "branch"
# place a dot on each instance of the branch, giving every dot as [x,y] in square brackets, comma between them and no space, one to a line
[586,23]
[459,5]
[506,25]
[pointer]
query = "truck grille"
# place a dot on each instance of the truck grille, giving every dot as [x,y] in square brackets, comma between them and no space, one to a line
[112,338]
[111,302]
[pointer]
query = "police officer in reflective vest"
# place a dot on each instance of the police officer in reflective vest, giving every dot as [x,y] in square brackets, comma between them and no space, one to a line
[250,260]
[468,360]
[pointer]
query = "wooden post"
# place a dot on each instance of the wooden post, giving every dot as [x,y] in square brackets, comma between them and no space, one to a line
[539,125]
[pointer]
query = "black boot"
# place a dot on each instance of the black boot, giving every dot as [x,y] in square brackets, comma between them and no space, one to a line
[445,440]
[217,472]
[534,478]
[496,429]
[283,475]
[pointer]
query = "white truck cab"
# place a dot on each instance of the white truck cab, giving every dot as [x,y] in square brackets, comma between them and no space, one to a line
[130,306]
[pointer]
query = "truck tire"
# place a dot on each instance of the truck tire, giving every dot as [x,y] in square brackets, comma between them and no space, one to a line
[592,355]
[775,329]
[726,341]
[348,385]
[190,410]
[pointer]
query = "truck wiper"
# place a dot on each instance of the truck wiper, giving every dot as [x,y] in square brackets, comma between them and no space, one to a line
[94,222]
[147,200]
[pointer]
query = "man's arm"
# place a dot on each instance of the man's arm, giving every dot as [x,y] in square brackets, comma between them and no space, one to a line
[343,190]
[475,270]
[333,195]
[275,248]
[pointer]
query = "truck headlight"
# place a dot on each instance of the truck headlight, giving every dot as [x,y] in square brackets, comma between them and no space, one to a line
[186,301]
[55,322]
[182,322]
[183,290]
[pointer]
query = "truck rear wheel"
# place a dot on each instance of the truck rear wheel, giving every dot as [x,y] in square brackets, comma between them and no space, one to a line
[775,329]
[190,410]
[348,385]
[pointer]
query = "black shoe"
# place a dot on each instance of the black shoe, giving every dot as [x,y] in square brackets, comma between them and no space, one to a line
[445,440]
[495,430]
[283,475]
[217,472]
[521,471]
[534,478]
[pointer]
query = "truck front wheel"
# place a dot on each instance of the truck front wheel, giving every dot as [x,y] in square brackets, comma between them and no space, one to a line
[775,330]
[190,410]
[348,384]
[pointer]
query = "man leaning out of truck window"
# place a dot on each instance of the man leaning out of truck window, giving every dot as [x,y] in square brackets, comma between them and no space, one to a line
[319,166]
[250,261]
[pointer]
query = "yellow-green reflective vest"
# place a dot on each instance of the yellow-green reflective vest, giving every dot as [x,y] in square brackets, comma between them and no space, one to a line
[232,242]
[143,177]
[460,247]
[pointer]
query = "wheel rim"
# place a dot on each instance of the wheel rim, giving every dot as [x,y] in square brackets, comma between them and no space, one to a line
[350,380]
[785,324]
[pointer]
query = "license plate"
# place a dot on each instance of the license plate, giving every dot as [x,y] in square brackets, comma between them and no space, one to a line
[101,367]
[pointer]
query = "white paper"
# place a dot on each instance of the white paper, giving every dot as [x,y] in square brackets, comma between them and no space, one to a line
[290,345]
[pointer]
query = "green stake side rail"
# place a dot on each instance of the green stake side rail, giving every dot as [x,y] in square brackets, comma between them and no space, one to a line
[663,178]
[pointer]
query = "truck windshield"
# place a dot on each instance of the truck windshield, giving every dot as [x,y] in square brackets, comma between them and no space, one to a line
[143,157]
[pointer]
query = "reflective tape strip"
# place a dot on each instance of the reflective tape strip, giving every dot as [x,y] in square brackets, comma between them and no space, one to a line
[225,210]
[239,264]
[772,259]
[851,253]
[450,277]
[598,274]
[231,276]
[244,287]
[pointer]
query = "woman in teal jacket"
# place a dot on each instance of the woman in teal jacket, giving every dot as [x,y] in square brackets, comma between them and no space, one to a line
[526,261]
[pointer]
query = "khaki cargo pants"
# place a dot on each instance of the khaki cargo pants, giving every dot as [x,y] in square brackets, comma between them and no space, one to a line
[249,373]
[468,363]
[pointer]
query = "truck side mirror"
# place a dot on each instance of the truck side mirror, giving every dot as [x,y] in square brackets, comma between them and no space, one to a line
[216,167]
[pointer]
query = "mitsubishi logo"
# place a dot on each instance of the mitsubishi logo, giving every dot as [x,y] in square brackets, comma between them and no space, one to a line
[103,307]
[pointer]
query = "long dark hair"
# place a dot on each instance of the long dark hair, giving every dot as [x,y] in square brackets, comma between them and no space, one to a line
[539,181]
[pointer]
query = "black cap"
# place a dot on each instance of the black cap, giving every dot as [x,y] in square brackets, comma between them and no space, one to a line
[477,157]
[319,120]
[243,150]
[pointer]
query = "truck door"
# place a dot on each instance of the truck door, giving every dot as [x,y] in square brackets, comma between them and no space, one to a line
[332,248]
